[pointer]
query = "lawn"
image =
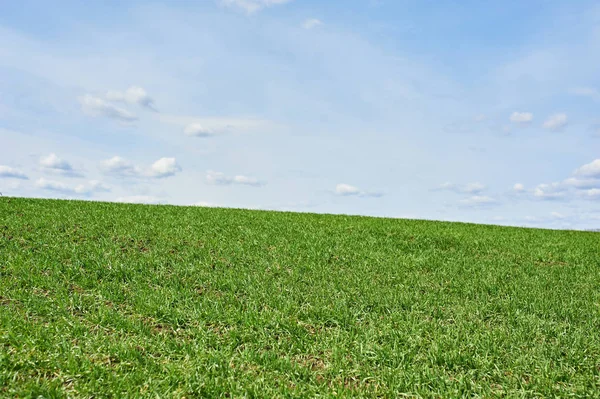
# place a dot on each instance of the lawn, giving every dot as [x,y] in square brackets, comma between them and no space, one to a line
[117,300]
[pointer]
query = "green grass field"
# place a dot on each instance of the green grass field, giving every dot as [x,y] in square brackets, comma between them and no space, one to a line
[115,300]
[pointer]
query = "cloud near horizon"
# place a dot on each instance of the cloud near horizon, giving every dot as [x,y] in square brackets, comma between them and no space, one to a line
[347,190]
[478,200]
[117,166]
[8,172]
[93,186]
[219,178]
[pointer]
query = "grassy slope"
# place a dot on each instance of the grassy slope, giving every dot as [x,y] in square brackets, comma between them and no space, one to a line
[130,300]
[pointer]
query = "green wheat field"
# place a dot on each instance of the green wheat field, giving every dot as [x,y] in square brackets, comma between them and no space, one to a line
[114,300]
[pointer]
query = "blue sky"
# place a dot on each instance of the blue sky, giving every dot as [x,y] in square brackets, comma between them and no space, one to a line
[471,111]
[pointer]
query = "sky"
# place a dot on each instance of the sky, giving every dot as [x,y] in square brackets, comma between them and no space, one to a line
[472,111]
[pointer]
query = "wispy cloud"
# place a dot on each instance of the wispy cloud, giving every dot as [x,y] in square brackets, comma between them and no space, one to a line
[120,167]
[478,201]
[52,185]
[470,188]
[133,95]
[556,122]
[519,188]
[209,126]
[521,118]
[252,6]
[347,190]
[551,191]
[94,186]
[593,194]
[311,23]
[590,92]
[582,183]
[8,172]
[219,178]
[96,107]
[198,130]
[117,166]
[90,188]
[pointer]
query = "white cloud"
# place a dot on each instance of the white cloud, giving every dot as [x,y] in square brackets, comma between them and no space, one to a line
[219,178]
[478,200]
[556,122]
[164,167]
[311,23]
[94,106]
[586,179]
[550,191]
[470,188]
[346,190]
[93,186]
[198,130]
[140,199]
[518,188]
[591,169]
[52,185]
[593,193]
[521,117]
[585,183]
[8,172]
[133,95]
[586,92]
[474,188]
[579,183]
[118,166]
[52,163]
[251,6]
[557,215]
[219,124]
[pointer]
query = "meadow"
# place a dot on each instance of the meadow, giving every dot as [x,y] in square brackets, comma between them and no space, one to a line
[115,300]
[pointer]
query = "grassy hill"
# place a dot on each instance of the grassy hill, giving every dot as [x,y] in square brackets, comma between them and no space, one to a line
[117,300]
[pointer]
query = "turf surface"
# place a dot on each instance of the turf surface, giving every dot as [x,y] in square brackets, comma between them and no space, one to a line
[115,300]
